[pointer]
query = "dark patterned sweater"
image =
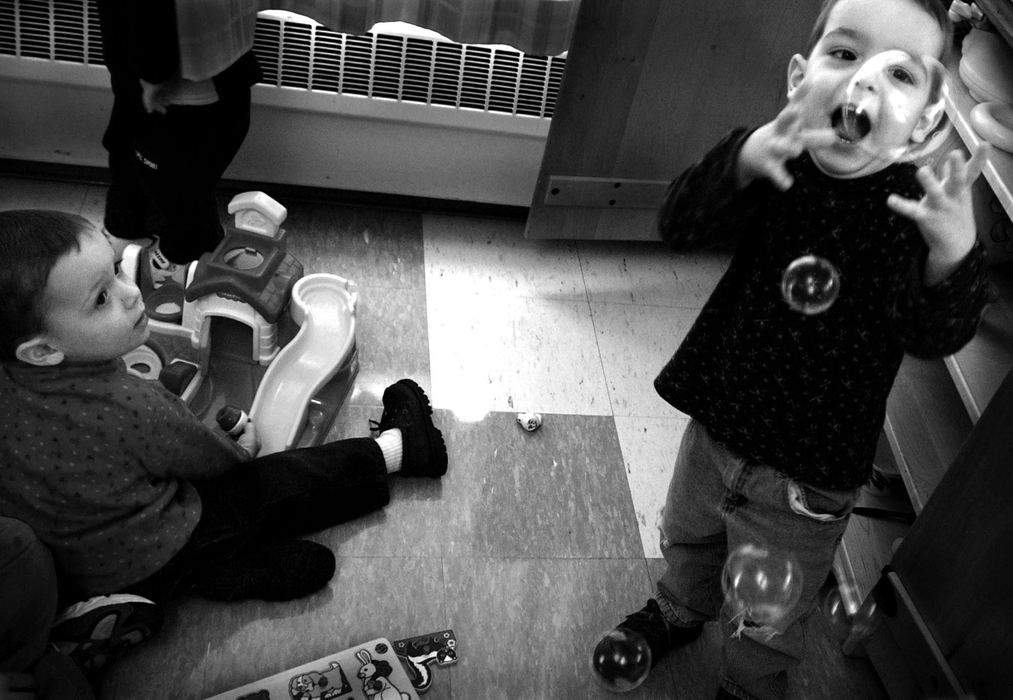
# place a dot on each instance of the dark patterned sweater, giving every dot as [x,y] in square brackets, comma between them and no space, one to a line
[98,462]
[807,394]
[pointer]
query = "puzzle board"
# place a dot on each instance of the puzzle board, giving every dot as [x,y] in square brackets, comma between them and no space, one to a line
[369,671]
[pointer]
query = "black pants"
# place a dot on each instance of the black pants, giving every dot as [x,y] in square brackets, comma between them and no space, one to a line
[279,496]
[164,170]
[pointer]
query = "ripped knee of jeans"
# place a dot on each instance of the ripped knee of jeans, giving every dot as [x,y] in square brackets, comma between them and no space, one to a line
[761,632]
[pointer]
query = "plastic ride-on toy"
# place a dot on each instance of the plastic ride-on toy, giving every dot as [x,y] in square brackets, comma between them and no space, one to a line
[234,345]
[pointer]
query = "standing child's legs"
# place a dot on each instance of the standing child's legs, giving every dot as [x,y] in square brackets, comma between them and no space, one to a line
[717,502]
[693,539]
[791,517]
[192,147]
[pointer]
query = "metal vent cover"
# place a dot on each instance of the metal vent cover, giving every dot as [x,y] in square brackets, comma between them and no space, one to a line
[57,30]
[298,54]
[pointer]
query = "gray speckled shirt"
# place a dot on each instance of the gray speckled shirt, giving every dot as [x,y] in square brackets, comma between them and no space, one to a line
[97,461]
[807,394]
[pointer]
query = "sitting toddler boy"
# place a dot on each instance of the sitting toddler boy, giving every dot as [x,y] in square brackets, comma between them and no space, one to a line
[128,489]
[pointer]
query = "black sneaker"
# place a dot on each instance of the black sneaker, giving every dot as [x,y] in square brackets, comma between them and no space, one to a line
[661,637]
[101,628]
[275,572]
[406,406]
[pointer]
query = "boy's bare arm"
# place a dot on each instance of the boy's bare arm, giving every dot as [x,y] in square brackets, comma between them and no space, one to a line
[944,215]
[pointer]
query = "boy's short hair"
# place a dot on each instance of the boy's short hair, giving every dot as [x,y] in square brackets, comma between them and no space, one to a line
[937,9]
[31,242]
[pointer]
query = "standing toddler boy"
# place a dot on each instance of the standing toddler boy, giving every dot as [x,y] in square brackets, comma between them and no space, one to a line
[786,407]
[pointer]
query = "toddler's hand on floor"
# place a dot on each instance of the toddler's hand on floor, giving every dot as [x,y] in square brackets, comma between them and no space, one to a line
[769,148]
[944,214]
[248,440]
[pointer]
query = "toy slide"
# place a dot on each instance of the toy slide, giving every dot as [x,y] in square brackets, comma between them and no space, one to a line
[324,307]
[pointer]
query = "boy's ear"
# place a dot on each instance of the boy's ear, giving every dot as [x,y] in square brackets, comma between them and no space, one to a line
[796,72]
[931,116]
[38,352]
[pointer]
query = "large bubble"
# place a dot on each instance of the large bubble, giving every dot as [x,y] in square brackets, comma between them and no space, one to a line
[761,584]
[621,660]
[886,93]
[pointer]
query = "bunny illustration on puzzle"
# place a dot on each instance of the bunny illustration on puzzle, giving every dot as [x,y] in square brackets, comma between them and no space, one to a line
[375,677]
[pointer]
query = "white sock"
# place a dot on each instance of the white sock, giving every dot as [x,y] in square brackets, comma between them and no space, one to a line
[391,445]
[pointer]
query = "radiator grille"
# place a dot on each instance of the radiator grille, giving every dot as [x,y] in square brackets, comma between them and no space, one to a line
[58,30]
[297,54]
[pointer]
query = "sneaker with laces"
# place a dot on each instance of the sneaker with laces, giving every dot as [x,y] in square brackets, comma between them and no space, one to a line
[163,271]
[406,407]
[97,630]
[661,636]
[161,283]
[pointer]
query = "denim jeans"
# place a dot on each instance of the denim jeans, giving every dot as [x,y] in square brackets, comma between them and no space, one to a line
[718,501]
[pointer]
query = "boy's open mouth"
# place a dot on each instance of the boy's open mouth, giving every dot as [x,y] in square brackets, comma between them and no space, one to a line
[850,123]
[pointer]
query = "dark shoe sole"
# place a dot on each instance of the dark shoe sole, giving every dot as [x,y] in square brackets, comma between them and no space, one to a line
[105,629]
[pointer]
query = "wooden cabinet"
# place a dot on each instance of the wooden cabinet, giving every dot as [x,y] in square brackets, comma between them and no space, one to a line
[649,87]
[942,584]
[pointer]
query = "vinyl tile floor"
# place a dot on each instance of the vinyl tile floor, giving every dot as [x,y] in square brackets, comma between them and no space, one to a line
[533,544]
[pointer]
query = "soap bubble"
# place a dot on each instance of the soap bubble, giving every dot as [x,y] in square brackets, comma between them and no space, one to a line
[885,92]
[865,621]
[761,585]
[621,660]
[810,284]
[835,610]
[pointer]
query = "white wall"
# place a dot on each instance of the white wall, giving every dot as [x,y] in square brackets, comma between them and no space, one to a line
[56,112]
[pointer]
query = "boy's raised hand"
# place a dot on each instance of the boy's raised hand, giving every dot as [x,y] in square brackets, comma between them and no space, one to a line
[944,215]
[769,148]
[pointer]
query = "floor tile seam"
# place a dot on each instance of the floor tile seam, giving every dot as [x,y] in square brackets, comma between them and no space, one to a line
[360,287]
[612,302]
[447,557]
[592,300]
[596,333]
[650,388]
[399,557]
[500,294]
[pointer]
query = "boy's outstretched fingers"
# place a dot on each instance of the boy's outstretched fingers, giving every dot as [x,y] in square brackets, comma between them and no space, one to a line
[818,138]
[977,162]
[766,152]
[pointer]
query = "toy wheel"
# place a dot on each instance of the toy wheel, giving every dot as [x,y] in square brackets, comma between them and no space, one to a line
[145,361]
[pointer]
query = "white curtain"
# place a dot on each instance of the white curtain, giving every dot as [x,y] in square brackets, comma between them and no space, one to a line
[214,34]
